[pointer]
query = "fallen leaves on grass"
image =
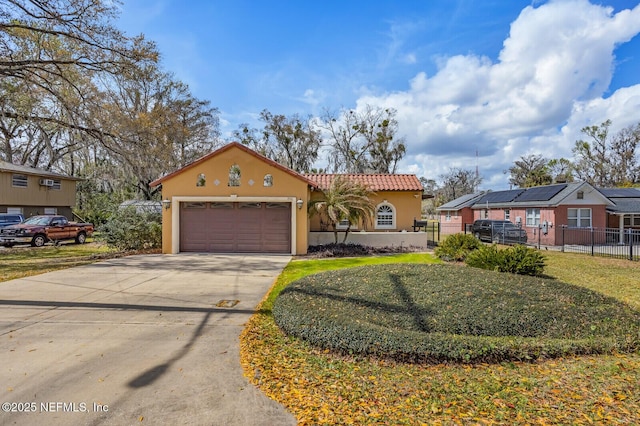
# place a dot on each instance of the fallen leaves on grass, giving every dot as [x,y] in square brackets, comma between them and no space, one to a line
[320,388]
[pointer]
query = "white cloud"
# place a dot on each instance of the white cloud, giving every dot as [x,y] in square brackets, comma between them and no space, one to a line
[548,82]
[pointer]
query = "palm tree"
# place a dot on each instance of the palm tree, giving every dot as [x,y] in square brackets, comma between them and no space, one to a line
[344,200]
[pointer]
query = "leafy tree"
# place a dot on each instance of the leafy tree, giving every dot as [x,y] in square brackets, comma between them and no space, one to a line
[530,170]
[458,182]
[608,161]
[291,141]
[344,200]
[561,169]
[364,141]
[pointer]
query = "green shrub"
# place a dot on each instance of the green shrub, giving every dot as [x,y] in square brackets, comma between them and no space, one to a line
[486,257]
[516,260]
[127,229]
[447,313]
[456,247]
[522,260]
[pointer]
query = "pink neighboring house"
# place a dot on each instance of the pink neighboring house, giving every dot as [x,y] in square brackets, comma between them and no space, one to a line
[541,210]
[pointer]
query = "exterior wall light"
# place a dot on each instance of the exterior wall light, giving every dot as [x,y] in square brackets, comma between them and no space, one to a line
[166,203]
[299,203]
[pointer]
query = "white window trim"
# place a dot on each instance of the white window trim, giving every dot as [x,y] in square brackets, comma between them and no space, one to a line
[393,216]
[579,217]
[535,216]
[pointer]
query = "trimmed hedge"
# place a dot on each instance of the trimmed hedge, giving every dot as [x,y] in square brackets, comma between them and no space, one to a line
[456,247]
[448,313]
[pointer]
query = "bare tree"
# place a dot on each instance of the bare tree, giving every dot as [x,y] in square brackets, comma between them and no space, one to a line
[291,141]
[458,182]
[608,161]
[365,141]
[53,50]
[156,125]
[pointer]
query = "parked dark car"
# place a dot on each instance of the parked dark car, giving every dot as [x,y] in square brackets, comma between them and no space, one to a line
[498,231]
[7,219]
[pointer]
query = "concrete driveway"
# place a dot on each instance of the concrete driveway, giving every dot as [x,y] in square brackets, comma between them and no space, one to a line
[136,340]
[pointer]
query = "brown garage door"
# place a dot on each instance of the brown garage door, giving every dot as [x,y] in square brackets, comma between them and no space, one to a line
[235,227]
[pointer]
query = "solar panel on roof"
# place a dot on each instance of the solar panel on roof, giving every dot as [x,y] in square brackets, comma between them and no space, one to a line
[620,192]
[500,196]
[540,193]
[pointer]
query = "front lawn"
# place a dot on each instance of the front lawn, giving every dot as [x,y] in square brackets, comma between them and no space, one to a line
[322,388]
[20,262]
[441,313]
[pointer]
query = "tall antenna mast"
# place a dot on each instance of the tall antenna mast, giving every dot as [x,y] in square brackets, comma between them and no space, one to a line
[477,171]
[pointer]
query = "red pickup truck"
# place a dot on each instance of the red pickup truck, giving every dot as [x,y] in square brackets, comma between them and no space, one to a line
[38,230]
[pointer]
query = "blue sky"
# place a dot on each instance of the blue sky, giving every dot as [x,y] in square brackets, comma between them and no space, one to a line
[506,78]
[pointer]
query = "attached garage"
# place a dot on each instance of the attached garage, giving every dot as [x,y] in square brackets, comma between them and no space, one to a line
[235,227]
[235,200]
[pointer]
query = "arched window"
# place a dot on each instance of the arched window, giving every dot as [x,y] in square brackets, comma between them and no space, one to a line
[234,175]
[202,180]
[385,216]
[268,180]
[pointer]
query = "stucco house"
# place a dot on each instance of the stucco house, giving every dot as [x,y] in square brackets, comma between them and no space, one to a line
[236,200]
[32,191]
[540,210]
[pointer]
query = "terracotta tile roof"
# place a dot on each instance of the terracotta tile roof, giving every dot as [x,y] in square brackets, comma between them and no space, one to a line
[375,182]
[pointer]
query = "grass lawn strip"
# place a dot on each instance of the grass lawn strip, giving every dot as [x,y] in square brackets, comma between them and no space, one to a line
[320,388]
[23,262]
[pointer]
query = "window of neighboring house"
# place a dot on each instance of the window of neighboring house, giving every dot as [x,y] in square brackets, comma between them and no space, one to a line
[533,217]
[385,217]
[20,181]
[268,180]
[448,216]
[632,220]
[580,195]
[57,185]
[50,210]
[202,180]
[579,218]
[507,214]
[234,175]
[14,210]
[486,214]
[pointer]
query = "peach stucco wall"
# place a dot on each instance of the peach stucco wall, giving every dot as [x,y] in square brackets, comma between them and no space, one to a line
[407,205]
[182,187]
